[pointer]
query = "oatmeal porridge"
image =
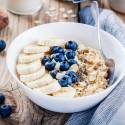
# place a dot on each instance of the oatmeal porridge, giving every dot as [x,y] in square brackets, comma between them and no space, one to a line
[61,68]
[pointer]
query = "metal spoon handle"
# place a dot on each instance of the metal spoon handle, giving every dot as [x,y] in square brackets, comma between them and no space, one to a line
[109,62]
[95,15]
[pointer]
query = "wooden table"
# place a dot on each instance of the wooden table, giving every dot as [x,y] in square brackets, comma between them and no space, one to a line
[27,113]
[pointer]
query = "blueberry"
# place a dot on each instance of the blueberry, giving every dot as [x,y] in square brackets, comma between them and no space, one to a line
[45,59]
[5,110]
[53,73]
[58,57]
[2,45]
[50,66]
[72,61]
[57,49]
[71,45]
[65,81]
[73,75]
[2,98]
[64,66]
[70,54]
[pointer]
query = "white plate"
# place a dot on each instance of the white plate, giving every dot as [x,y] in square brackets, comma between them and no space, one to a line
[70,31]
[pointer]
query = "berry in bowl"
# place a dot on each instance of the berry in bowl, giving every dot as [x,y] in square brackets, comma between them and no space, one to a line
[70,70]
[55,73]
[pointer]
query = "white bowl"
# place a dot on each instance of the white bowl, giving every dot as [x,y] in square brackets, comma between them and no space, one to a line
[70,31]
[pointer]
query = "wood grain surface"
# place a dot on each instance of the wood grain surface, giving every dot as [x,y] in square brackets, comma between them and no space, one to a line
[26,112]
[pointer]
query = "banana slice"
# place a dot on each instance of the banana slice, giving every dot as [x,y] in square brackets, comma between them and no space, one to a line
[52,42]
[33,76]
[46,79]
[33,49]
[50,88]
[24,58]
[74,67]
[67,92]
[23,69]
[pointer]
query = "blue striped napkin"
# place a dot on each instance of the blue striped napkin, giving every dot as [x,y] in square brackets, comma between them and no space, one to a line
[103,113]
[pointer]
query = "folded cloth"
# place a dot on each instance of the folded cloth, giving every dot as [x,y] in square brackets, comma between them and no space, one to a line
[103,113]
[108,20]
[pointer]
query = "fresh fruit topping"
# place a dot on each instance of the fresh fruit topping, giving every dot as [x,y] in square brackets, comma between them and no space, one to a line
[65,81]
[2,98]
[74,67]
[70,54]
[57,49]
[58,57]
[73,75]
[64,66]
[72,61]
[5,110]
[45,59]
[57,67]
[59,75]
[61,60]
[50,66]
[53,73]
[2,45]
[71,45]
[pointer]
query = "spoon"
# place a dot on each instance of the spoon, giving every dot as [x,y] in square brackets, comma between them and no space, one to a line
[108,61]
